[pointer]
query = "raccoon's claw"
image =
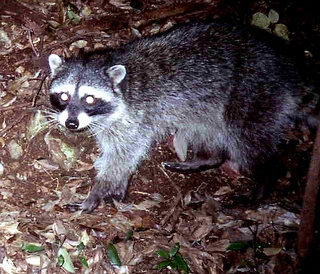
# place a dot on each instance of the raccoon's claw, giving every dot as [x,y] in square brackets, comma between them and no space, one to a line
[79,206]
[110,198]
[92,202]
[87,206]
[73,207]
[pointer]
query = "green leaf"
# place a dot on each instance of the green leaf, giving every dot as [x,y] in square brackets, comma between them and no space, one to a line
[181,264]
[83,261]
[163,264]
[273,16]
[163,254]
[173,259]
[31,248]
[260,20]
[173,265]
[128,236]
[236,246]
[72,15]
[65,261]
[80,247]
[174,250]
[113,256]
[60,260]
[282,31]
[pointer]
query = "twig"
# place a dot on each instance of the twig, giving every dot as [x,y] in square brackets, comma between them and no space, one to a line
[176,202]
[68,40]
[14,107]
[5,130]
[18,63]
[34,100]
[173,184]
[30,40]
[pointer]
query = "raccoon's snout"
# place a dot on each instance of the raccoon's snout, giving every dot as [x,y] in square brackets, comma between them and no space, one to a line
[72,123]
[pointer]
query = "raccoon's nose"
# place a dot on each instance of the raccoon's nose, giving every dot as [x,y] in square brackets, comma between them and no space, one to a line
[72,123]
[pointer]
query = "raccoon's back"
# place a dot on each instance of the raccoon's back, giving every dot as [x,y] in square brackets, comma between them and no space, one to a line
[206,67]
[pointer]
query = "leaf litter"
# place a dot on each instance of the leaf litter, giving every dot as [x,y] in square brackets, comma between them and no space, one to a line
[44,168]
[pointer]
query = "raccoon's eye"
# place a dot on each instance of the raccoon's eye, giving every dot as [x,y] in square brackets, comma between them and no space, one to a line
[90,100]
[64,97]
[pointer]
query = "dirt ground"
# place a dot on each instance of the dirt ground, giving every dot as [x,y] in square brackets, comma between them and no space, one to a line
[43,167]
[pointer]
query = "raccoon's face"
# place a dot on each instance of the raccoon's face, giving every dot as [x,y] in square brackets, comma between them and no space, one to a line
[84,95]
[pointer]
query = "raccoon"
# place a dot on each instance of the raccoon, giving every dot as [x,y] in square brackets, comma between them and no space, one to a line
[224,91]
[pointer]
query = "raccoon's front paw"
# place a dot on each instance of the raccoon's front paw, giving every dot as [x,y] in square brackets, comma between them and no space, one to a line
[98,194]
[87,206]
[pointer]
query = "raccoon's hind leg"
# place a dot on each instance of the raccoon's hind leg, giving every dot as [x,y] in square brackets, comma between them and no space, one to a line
[204,157]
[266,176]
[199,163]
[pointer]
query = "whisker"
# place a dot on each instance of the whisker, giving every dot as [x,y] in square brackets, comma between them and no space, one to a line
[49,122]
[49,111]
[51,118]
[96,129]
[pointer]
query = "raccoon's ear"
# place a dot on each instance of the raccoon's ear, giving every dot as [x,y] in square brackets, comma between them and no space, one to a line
[116,73]
[54,63]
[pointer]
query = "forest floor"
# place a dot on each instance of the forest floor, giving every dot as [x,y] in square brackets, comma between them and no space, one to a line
[38,178]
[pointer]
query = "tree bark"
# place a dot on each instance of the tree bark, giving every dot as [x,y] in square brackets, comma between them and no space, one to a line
[310,199]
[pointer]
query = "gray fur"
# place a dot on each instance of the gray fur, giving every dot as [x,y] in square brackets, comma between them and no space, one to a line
[220,89]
